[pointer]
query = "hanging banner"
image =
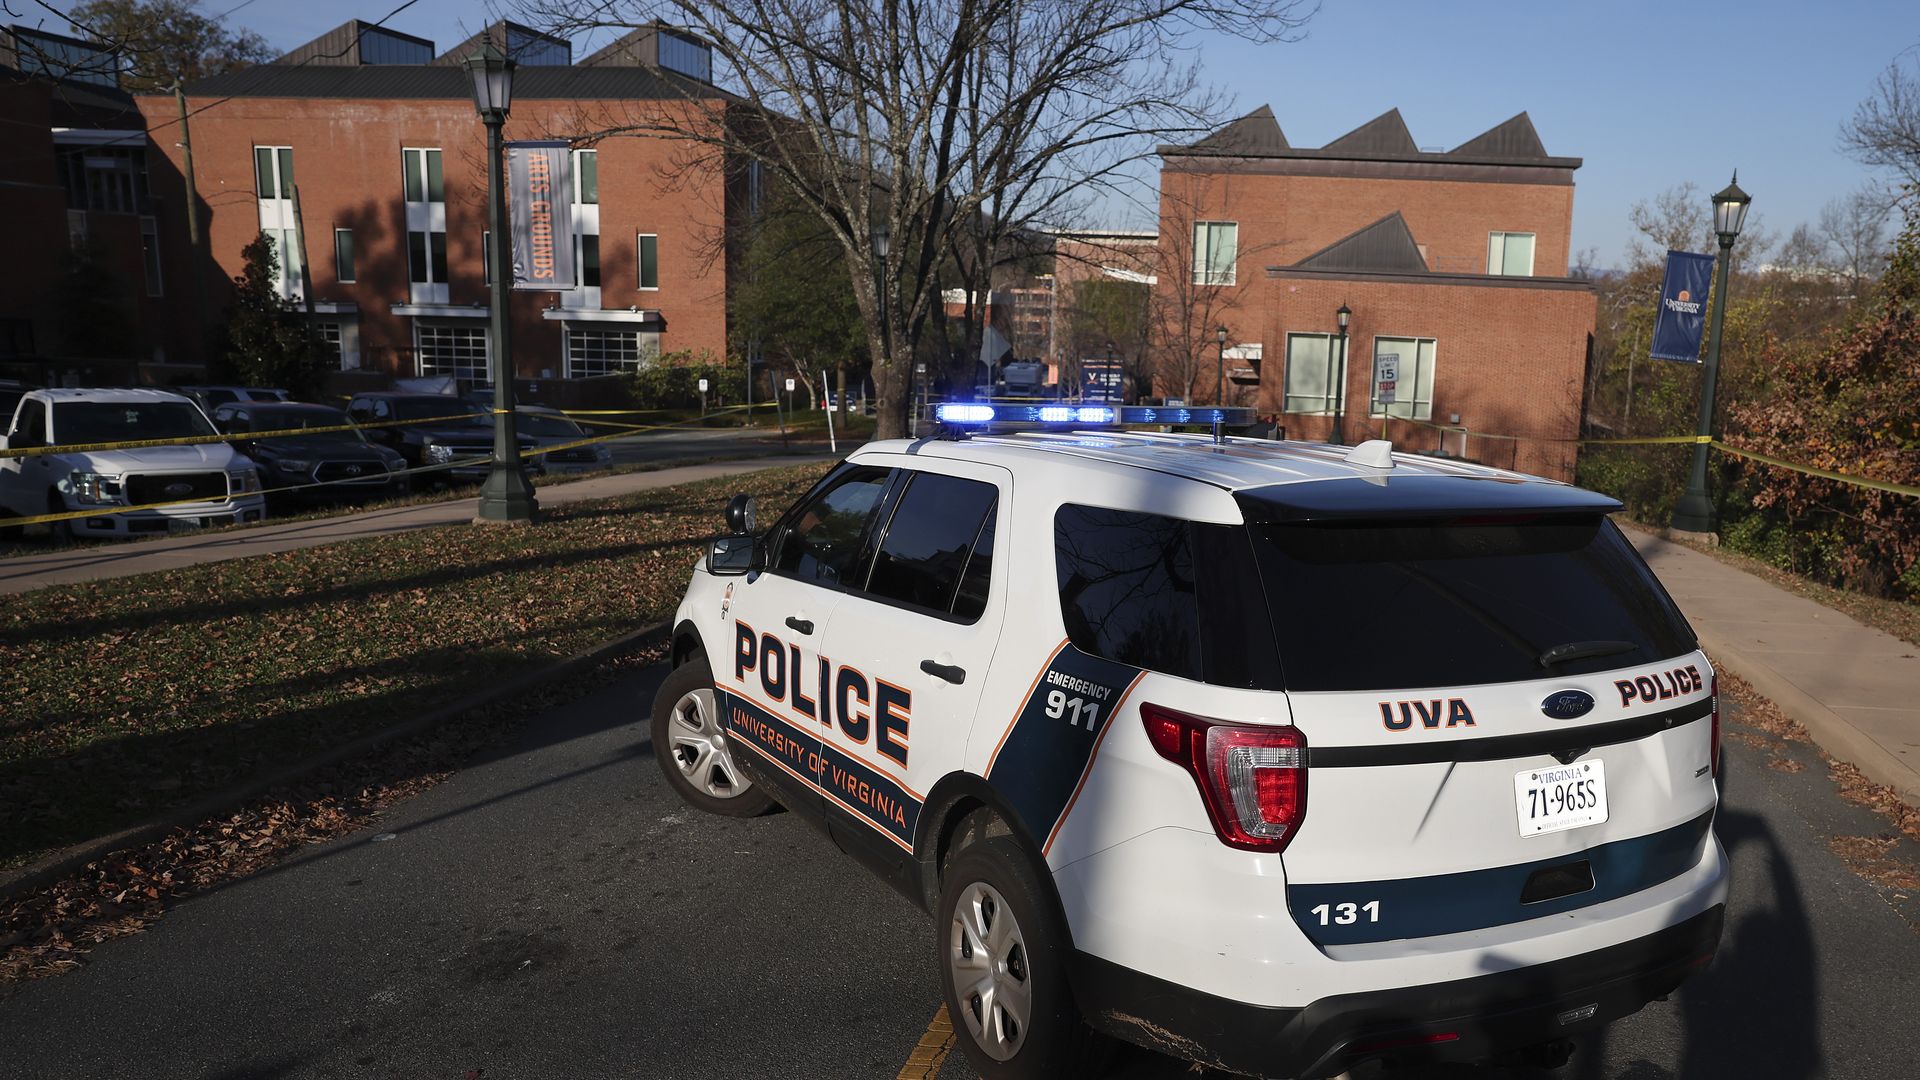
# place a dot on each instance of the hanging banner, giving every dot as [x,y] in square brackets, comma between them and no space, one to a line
[539,198]
[1683,307]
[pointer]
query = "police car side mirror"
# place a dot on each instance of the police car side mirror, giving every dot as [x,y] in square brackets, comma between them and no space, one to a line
[740,515]
[731,556]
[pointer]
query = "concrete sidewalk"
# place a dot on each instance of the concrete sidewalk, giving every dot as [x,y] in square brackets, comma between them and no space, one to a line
[26,572]
[1856,689]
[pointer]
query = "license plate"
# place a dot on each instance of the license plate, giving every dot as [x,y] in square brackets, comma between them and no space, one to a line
[1561,797]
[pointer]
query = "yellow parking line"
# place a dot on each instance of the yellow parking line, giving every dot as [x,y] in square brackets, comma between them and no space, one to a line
[932,1050]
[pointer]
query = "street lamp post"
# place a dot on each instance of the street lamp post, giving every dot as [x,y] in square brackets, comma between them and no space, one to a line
[1694,512]
[1220,379]
[1344,315]
[506,496]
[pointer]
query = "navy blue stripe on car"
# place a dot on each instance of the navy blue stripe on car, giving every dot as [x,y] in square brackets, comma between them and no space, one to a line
[862,790]
[1044,757]
[1349,913]
[1501,747]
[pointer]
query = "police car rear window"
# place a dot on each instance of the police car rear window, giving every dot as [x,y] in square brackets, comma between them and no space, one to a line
[1383,606]
[1134,588]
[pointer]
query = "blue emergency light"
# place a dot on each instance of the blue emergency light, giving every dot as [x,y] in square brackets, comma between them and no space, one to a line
[969,413]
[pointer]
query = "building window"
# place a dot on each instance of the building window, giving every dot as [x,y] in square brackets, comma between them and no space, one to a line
[649,248]
[458,349]
[1311,382]
[586,177]
[425,183]
[1413,392]
[327,342]
[1216,244]
[110,178]
[427,258]
[286,253]
[150,255]
[607,350]
[590,261]
[1510,254]
[343,254]
[273,172]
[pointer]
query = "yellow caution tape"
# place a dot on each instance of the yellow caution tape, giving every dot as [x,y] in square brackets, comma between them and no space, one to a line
[1827,474]
[201,440]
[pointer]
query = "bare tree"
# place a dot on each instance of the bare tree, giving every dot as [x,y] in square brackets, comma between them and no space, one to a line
[933,125]
[1186,313]
[1680,218]
[1884,131]
[1854,228]
[1805,249]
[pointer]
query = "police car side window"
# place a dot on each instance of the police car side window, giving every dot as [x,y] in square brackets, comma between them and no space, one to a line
[820,540]
[1128,589]
[929,542]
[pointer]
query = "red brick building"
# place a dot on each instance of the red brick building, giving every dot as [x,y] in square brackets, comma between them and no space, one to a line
[1455,263]
[379,139]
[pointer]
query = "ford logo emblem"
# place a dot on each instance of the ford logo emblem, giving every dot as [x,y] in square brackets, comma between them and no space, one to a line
[353,470]
[1567,704]
[178,488]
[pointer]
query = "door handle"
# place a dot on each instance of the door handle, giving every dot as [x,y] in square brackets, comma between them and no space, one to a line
[801,626]
[950,672]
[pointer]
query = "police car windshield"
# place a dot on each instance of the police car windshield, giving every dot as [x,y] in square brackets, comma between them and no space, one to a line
[1389,606]
[78,422]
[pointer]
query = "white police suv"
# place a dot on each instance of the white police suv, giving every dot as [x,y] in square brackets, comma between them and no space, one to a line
[1274,756]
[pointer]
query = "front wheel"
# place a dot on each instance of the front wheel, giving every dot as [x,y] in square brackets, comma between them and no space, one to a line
[695,751]
[1003,966]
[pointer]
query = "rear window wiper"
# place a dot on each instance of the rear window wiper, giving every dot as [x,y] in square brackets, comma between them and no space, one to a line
[1581,650]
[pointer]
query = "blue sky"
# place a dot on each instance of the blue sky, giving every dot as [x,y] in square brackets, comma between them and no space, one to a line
[1650,94]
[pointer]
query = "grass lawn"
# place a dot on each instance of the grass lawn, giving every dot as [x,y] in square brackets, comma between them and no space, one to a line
[131,696]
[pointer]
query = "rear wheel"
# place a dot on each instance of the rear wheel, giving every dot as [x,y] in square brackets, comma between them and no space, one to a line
[1003,966]
[694,750]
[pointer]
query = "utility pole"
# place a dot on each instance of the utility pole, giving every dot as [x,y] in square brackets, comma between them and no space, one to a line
[194,269]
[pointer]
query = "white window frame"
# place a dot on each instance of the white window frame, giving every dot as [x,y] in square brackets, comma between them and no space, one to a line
[1335,393]
[351,239]
[1203,274]
[424,215]
[640,267]
[645,350]
[1408,404]
[474,325]
[1497,245]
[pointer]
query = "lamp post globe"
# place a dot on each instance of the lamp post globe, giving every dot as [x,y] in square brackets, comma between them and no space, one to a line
[1220,377]
[1342,316]
[1694,512]
[507,495]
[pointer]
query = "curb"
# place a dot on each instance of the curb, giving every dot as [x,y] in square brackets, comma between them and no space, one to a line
[1831,731]
[27,879]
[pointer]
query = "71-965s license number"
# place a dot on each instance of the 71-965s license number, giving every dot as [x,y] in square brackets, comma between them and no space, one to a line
[1561,797]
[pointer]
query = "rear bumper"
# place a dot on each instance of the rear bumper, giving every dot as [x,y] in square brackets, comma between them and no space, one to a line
[1466,1020]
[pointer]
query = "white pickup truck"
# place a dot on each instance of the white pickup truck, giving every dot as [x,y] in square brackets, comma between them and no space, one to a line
[202,485]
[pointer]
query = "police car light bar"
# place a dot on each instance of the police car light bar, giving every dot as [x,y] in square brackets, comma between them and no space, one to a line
[961,413]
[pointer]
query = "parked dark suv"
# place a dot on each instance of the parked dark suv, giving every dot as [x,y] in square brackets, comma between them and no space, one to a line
[313,467]
[447,430]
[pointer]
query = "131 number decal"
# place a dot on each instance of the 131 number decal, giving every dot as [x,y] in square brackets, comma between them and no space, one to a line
[1347,914]
[1059,704]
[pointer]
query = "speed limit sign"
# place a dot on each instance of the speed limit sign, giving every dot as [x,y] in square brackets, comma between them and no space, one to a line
[703,385]
[789,386]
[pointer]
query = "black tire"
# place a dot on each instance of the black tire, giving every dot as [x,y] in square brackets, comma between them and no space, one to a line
[58,532]
[693,751]
[1054,1043]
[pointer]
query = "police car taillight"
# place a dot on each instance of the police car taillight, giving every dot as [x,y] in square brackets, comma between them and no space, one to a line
[1713,747]
[1253,780]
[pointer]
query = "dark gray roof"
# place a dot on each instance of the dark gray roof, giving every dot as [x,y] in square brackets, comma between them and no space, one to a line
[1385,135]
[1386,246]
[1385,138]
[520,42]
[1513,139]
[342,45]
[420,81]
[1253,134]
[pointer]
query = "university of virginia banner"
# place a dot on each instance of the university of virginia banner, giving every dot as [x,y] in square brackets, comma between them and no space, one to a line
[539,195]
[1683,307]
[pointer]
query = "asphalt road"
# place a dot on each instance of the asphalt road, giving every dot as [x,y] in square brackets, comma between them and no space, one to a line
[554,911]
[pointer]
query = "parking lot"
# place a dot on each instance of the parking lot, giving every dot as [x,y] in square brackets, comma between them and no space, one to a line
[555,910]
